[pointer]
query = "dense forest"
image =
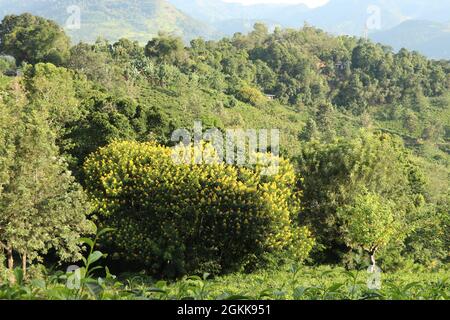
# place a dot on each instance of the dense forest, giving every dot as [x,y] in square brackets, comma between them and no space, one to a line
[85,143]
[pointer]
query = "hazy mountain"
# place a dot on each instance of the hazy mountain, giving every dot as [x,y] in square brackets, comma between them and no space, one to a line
[228,18]
[433,10]
[214,11]
[352,16]
[135,19]
[402,23]
[429,38]
[337,16]
[397,23]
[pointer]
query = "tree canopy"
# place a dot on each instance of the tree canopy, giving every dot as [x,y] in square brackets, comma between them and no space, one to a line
[365,130]
[33,39]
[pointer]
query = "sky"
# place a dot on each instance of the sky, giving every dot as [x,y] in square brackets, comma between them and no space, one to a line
[310,3]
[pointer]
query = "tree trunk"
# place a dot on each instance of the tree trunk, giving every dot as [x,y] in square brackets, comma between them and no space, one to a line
[24,265]
[9,254]
[372,258]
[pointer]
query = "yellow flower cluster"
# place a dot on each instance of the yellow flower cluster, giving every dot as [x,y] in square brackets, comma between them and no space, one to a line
[181,216]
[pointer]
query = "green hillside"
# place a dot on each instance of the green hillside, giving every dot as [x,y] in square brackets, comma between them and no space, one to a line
[135,20]
[87,137]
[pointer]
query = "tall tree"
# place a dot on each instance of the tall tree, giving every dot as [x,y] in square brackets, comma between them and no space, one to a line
[41,207]
[33,39]
[7,127]
[369,222]
[336,172]
[167,49]
[53,89]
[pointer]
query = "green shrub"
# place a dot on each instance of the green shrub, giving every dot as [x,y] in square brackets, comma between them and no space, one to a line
[230,102]
[252,96]
[175,219]
[7,63]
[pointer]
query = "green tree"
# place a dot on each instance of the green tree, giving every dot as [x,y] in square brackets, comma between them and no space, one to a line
[96,64]
[53,89]
[167,49]
[177,218]
[259,34]
[310,131]
[125,50]
[369,222]
[353,95]
[7,136]
[7,64]
[429,242]
[252,96]
[111,118]
[41,207]
[33,39]
[410,121]
[336,172]
[325,120]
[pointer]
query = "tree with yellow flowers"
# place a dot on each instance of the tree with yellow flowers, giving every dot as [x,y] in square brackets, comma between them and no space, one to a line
[176,219]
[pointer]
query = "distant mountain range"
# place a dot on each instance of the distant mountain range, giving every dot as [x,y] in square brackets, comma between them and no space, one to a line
[421,25]
[337,16]
[112,19]
[398,23]
[228,18]
[429,38]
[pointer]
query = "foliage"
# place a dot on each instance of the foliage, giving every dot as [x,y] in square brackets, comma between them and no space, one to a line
[182,218]
[53,89]
[166,49]
[288,283]
[41,206]
[6,143]
[7,64]
[251,95]
[429,242]
[369,223]
[81,281]
[335,174]
[33,39]
[63,106]
[95,62]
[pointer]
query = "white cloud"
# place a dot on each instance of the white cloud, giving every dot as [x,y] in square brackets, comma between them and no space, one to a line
[310,3]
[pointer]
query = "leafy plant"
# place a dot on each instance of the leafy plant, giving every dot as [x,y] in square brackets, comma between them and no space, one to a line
[186,218]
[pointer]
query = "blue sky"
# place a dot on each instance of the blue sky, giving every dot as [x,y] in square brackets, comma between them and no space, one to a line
[311,3]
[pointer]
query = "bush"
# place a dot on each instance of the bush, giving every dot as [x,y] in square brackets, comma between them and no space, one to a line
[33,39]
[176,219]
[7,64]
[252,96]
[335,173]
